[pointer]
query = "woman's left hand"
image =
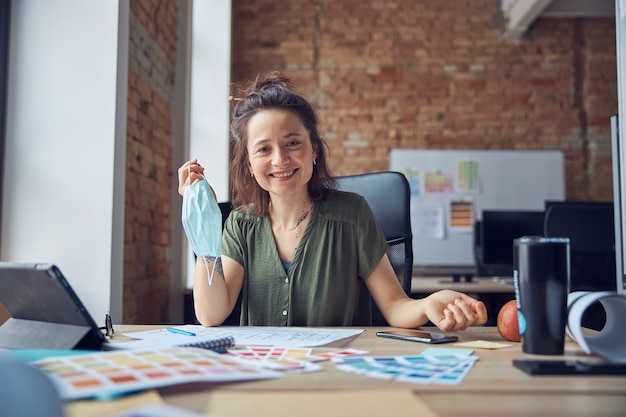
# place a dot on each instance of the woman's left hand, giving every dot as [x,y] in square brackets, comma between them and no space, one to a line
[452,310]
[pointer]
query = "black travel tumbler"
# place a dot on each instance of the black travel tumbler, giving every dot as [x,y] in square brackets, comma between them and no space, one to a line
[541,274]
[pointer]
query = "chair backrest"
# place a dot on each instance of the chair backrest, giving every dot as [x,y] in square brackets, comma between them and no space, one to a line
[389,196]
[590,228]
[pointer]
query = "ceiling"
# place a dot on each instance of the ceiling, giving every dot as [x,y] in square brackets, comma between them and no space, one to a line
[520,14]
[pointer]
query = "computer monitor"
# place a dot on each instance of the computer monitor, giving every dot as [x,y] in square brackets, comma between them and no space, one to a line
[590,227]
[498,229]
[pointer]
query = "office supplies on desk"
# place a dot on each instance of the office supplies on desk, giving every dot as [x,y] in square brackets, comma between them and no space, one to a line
[179,331]
[541,285]
[255,335]
[45,310]
[279,358]
[419,369]
[609,343]
[418,336]
[493,386]
[291,359]
[176,337]
[101,374]
[483,344]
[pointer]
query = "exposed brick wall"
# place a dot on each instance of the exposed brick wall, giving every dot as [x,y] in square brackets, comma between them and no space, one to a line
[434,74]
[147,234]
[383,74]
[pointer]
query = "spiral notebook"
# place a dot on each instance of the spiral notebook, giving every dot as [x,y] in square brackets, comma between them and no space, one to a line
[217,345]
[175,337]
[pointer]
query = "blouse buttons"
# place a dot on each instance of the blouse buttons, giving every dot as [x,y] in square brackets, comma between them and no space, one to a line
[284,312]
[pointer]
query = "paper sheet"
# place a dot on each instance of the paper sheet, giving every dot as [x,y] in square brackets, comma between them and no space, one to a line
[256,335]
[609,343]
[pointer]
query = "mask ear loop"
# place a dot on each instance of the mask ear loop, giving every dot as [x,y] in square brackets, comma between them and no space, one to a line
[204,258]
[210,276]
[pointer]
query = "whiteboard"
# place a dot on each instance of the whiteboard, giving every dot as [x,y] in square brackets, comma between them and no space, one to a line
[471,181]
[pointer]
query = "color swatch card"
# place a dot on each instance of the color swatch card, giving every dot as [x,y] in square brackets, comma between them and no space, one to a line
[414,369]
[288,358]
[104,374]
[277,358]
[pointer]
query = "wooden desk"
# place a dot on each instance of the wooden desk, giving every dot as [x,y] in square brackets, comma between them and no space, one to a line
[492,388]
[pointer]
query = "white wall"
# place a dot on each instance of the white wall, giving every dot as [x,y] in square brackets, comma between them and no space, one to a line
[62,202]
[66,132]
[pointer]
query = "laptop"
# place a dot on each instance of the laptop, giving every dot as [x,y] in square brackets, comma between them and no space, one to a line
[45,312]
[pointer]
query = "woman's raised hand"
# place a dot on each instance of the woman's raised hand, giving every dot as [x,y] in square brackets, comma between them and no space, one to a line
[189,173]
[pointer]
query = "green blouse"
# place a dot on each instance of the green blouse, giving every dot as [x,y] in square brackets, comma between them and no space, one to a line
[324,286]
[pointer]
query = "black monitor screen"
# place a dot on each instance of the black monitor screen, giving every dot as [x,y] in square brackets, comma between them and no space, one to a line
[501,227]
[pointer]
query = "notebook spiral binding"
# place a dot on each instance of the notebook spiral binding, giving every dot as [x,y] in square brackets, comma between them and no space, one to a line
[219,345]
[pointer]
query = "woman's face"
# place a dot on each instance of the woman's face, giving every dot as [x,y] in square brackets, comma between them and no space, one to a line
[280,152]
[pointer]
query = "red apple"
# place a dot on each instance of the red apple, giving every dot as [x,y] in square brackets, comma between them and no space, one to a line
[508,326]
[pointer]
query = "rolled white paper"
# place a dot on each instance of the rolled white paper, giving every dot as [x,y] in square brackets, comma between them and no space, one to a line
[610,342]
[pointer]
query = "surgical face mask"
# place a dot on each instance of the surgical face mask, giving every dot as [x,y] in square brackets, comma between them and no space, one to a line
[202,222]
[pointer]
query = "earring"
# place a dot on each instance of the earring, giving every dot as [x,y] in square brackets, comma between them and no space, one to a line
[314,161]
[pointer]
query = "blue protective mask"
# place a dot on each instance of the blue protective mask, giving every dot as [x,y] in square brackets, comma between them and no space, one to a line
[202,222]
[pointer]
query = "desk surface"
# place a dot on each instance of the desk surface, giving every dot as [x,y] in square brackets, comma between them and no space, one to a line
[480,285]
[492,388]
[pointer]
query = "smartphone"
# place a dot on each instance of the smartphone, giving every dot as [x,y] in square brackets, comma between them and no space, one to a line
[418,336]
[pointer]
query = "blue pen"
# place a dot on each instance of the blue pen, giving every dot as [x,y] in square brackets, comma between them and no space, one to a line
[179,331]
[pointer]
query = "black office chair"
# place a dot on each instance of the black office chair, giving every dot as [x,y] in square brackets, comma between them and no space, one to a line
[388,195]
[590,228]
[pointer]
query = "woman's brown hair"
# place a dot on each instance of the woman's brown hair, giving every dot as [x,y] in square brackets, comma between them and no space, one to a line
[271,91]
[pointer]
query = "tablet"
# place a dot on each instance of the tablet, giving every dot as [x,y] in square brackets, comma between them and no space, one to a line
[45,312]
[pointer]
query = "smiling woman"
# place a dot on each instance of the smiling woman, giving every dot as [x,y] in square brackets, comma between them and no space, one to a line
[297,250]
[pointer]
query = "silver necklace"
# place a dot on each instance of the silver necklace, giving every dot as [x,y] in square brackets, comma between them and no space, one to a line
[303,217]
